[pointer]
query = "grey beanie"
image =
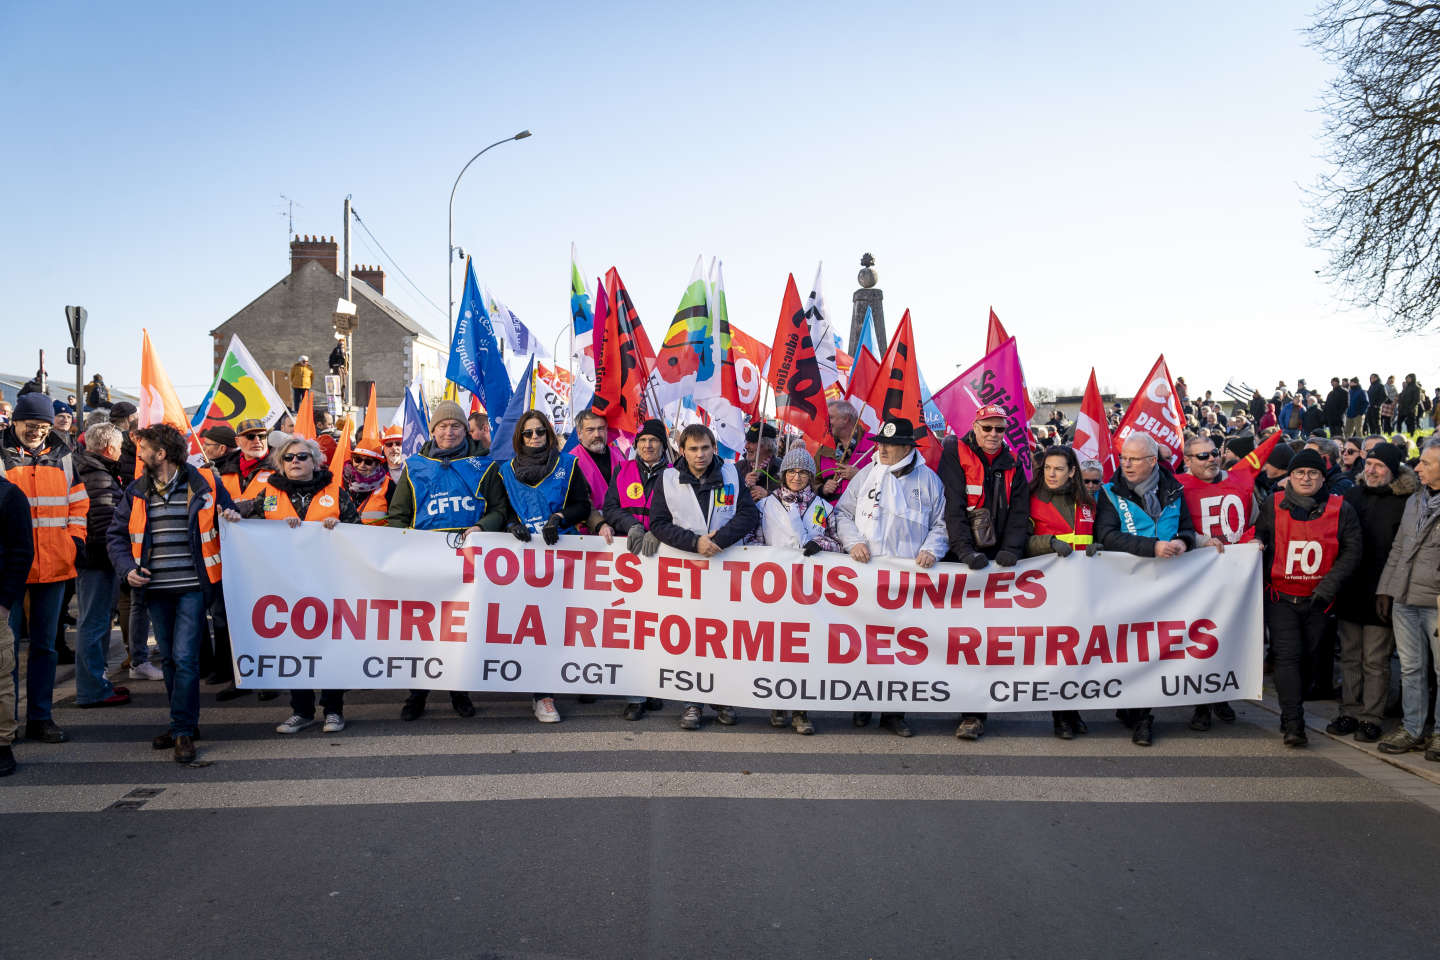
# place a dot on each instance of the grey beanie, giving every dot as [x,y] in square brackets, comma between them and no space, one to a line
[798,459]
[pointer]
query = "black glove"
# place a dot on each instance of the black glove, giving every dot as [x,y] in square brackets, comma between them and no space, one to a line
[1092,549]
[1062,548]
[1006,559]
[519,531]
[1382,607]
[634,538]
[975,561]
[810,549]
[550,533]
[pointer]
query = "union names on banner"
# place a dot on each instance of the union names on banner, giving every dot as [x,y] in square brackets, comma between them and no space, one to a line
[371,607]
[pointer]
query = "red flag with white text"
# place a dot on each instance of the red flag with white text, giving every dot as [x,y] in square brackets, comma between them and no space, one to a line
[1156,411]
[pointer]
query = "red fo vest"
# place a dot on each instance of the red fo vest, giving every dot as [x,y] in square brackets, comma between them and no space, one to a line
[1305,550]
[1046,520]
[1221,509]
[634,499]
[974,468]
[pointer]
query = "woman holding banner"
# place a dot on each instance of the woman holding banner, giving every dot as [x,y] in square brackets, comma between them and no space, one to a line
[536,491]
[303,490]
[1062,518]
[795,516]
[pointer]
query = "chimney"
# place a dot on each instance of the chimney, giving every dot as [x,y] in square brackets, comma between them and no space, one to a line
[323,250]
[371,275]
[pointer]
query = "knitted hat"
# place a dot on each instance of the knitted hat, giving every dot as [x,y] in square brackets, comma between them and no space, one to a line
[1307,459]
[1280,457]
[33,406]
[653,428]
[1242,444]
[1388,454]
[447,410]
[798,459]
[62,407]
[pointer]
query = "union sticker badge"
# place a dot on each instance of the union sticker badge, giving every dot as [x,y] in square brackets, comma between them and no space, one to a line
[635,491]
[725,495]
[326,501]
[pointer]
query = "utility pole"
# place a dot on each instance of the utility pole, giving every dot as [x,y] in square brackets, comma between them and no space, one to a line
[350,336]
[75,319]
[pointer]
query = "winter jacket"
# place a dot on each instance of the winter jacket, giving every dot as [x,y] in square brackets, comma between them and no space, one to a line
[1376,394]
[862,517]
[1336,403]
[117,537]
[17,543]
[1009,509]
[1112,536]
[1348,534]
[1409,400]
[1412,571]
[619,518]
[662,520]
[1359,401]
[1312,419]
[1379,510]
[787,520]
[105,486]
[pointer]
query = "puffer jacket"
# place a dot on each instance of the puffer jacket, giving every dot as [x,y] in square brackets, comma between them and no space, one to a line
[105,486]
[1412,571]
[1380,510]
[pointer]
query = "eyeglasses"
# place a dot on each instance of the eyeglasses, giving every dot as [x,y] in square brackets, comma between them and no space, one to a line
[984,429]
[1137,459]
[295,457]
[1208,455]
[1091,483]
[534,432]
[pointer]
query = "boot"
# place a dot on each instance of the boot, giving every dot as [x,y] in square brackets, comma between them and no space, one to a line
[1143,734]
[1200,719]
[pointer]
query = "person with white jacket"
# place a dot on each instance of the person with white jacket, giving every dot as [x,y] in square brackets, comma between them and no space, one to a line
[895,507]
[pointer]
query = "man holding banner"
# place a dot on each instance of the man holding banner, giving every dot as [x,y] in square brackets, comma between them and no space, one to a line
[894,507]
[987,507]
[698,507]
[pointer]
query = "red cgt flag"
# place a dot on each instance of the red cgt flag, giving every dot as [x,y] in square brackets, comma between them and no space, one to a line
[794,371]
[622,361]
[1156,411]
[896,391]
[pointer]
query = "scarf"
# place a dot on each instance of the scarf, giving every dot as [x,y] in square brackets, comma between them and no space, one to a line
[1429,504]
[1149,492]
[531,466]
[1293,499]
[357,482]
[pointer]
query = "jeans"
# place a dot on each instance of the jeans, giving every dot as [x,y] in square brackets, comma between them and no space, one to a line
[303,702]
[134,625]
[96,590]
[43,601]
[1365,670]
[1296,630]
[1414,633]
[178,619]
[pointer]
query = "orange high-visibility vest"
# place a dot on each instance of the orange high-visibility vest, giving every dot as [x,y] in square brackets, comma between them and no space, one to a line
[376,506]
[207,519]
[58,505]
[232,484]
[275,503]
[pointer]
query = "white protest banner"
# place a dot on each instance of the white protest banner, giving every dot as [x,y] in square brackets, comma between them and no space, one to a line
[762,627]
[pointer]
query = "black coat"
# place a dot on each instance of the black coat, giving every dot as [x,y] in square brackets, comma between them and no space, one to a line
[104,485]
[1379,510]
[1336,402]
[1009,508]
[1312,419]
[17,544]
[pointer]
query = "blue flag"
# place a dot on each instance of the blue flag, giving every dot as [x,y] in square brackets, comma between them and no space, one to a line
[475,361]
[867,336]
[503,433]
[416,428]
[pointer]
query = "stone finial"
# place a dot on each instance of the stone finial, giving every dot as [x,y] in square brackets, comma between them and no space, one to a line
[867,276]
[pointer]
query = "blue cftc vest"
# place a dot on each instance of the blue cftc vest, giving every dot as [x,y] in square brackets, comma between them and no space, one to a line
[447,492]
[534,505]
[1133,519]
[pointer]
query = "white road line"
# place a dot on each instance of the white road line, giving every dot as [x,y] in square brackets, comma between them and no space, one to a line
[769,786]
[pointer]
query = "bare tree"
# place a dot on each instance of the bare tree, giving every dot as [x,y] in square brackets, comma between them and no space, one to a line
[1375,212]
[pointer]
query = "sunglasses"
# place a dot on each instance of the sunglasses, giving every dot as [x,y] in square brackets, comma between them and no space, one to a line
[1091,483]
[295,457]
[1202,457]
[984,429]
[532,433]
[364,461]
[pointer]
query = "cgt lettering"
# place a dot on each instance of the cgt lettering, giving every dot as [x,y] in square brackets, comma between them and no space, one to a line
[573,672]
[276,665]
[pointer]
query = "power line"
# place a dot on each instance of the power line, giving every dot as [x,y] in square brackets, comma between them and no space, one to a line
[356,214]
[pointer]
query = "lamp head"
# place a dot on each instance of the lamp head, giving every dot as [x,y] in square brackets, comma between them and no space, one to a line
[521,135]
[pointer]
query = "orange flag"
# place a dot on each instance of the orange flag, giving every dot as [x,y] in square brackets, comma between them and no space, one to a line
[369,443]
[341,456]
[305,418]
[158,401]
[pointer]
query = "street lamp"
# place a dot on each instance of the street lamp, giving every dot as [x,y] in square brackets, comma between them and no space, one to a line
[450,245]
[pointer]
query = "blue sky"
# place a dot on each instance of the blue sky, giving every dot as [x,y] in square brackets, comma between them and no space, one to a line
[1117,181]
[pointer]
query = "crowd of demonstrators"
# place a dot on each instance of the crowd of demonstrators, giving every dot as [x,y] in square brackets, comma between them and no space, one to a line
[150,546]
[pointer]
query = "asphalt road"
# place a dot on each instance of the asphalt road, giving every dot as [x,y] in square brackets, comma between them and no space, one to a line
[499,837]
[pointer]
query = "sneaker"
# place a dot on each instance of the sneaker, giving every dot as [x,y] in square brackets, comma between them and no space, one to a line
[1432,752]
[334,723]
[295,724]
[690,719]
[633,711]
[726,717]
[778,718]
[1342,726]
[147,671]
[1368,732]
[545,710]
[803,726]
[1400,742]
[118,698]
